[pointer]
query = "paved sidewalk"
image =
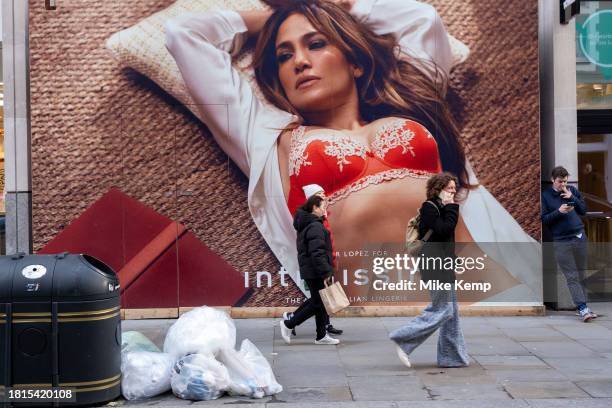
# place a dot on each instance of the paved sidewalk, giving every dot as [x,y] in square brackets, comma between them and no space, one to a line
[550,361]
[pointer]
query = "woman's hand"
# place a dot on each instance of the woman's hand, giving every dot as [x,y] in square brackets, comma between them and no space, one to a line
[255,20]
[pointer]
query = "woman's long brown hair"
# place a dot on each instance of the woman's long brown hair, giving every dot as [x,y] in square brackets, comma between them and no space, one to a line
[389,86]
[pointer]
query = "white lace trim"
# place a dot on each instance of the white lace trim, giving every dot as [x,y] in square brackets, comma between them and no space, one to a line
[297,158]
[339,147]
[343,147]
[392,135]
[377,178]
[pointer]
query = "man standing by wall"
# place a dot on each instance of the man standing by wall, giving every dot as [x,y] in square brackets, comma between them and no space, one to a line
[561,207]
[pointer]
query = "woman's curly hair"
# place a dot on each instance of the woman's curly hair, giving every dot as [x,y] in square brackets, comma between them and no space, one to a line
[437,183]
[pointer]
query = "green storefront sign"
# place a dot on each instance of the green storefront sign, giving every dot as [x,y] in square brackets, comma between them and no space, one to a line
[595,39]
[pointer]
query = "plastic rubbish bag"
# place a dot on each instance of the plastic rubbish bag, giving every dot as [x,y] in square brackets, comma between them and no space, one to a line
[243,380]
[136,341]
[260,366]
[202,330]
[145,374]
[199,377]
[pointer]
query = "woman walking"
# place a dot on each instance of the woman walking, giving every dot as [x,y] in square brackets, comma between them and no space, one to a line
[314,248]
[439,214]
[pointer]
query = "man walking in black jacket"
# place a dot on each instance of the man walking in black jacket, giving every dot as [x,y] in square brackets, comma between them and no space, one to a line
[561,207]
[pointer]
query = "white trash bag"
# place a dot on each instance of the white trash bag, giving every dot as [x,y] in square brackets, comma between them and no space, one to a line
[136,341]
[243,379]
[199,377]
[145,374]
[202,330]
[260,366]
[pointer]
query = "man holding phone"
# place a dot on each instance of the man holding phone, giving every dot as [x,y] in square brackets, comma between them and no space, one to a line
[561,207]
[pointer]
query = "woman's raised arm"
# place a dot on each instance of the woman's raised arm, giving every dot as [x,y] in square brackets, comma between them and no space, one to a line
[201,45]
[417,26]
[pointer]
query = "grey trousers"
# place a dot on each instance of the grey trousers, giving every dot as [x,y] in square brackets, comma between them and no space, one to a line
[571,256]
[441,313]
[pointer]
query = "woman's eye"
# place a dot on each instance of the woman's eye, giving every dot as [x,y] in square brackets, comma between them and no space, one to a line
[283,57]
[317,44]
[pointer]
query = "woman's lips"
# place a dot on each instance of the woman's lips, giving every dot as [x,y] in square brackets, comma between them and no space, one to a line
[306,83]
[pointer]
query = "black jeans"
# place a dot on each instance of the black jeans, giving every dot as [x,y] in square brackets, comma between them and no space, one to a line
[305,304]
[312,307]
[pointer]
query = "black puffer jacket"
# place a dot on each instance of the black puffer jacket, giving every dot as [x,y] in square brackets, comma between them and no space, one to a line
[313,246]
[442,220]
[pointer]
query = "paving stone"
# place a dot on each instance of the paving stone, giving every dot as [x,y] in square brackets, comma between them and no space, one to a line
[488,392]
[570,403]
[527,374]
[339,404]
[309,369]
[596,389]
[227,401]
[540,389]
[393,388]
[166,400]
[580,369]
[603,323]
[513,322]
[509,403]
[558,349]
[598,345]
[480,330]
[362,347]
[533,334]
[504,362]
[569,319]
[586,331]
[484,346]
[327,394]
[474,370]
[432,378]
[370,365]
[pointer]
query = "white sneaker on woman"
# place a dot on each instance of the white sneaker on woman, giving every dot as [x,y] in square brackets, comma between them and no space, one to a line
[327,340]
[403,357]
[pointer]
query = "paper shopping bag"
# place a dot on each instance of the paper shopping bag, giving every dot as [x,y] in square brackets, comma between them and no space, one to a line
[334,298]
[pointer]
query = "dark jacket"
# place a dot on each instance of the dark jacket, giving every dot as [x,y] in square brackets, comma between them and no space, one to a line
[442,220]
[562,226]
[314,246]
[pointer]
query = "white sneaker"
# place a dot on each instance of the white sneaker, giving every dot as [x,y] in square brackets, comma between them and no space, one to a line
[403,357]
[288,316]
[285,332]
[327,340]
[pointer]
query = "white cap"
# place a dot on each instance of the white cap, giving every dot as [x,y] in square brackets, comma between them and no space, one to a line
[312,189]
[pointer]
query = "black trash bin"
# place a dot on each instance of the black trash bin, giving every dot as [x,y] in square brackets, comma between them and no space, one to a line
[60,325]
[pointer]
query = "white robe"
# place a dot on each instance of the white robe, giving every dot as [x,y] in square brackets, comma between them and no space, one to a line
[247,129]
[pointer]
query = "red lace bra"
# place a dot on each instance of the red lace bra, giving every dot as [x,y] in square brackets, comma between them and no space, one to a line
[342,165]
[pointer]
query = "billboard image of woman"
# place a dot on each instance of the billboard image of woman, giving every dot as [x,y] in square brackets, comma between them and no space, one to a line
[358,97]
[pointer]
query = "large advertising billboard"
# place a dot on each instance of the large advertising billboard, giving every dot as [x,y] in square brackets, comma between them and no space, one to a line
[173,141]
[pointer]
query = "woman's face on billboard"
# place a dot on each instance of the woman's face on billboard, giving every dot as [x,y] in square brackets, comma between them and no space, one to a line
[314,73]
